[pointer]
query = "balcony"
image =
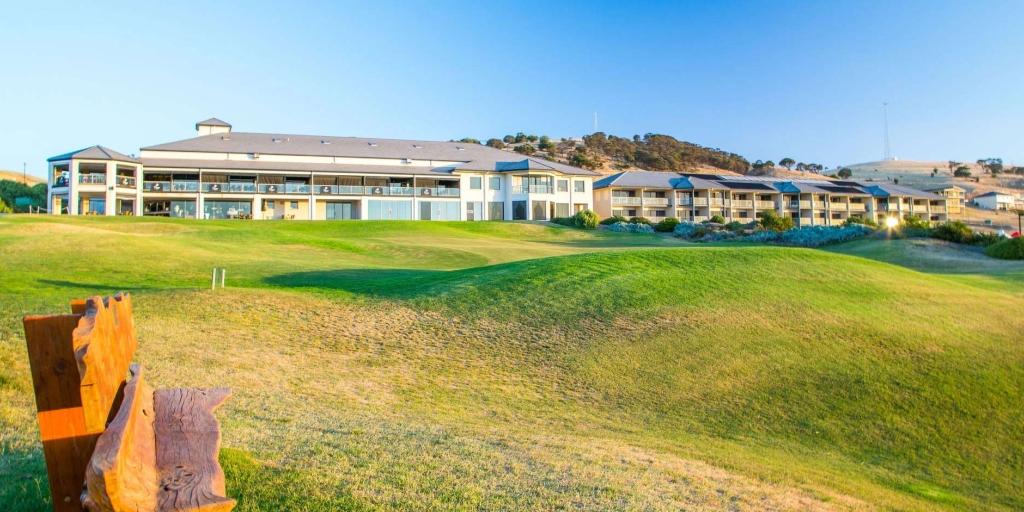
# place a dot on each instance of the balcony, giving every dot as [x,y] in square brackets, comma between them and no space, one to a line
[625,201]
[684,201]
[170,186]
[805,205]
[858,207]
[533,189]
[938,209]
[793,205]
[229,188]
[718,202]
[93,179]
[438,192]
[340,190]
[655,201]
[283,188]
[742,203]
[126,181]
[700,201]
[765,205]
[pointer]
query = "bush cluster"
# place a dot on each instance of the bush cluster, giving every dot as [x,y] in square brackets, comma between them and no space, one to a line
[631,227]
[614,219]
[815,236]
[775,222]
[667,225]
[960,233]
[584,219]
[1007,249]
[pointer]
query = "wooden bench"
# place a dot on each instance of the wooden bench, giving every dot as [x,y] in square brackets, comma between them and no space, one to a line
[110,442]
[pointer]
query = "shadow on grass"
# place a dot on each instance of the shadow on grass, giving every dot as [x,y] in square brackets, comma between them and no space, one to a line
[23,483]
[106,288]
[260,487]
[376,283]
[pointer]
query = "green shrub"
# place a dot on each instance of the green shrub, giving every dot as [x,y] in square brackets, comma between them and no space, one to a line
[667,225]
[4,208]
[717,219]
[639,220]
[861,221]
[734,226]
[585,219]
[985,239]
[955,231]
[774,222]
[565,221]
[631,227]
[1007,249]
[614,219]
[914,222]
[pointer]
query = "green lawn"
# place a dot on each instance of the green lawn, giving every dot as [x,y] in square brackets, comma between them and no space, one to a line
[416,366]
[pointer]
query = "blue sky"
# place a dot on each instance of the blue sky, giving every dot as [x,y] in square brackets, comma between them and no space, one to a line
[765,80]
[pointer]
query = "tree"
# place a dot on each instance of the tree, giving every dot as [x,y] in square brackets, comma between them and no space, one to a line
[495,143]
[520,137]
[774,222]
[545,143]
[4,208]
[469,140]
[787,163]
[508,139]
[845,173]
[531,138]
[953,165]
[935,171]
[962,172]
[760,168]
[525,149]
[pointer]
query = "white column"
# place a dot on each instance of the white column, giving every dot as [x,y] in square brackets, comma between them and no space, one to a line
[110,208]
[312,206]
[257,206]
[138,191]
[199,201]
[73,188]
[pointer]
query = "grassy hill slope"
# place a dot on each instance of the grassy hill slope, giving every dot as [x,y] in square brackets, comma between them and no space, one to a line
[467,366]
[21,177]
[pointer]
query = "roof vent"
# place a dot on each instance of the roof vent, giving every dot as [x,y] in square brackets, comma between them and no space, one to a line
[407,160]
[460,148]
[325,141]
[372,144]
[275,139]
[417,146]
[225,137]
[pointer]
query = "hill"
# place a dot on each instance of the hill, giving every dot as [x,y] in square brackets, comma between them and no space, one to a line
[21,178]
[928,173]
[414,365]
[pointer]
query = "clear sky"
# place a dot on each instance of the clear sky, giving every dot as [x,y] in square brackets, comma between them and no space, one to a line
[765,80]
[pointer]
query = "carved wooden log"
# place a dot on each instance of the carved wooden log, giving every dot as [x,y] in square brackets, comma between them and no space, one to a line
[122,474]
[188,440]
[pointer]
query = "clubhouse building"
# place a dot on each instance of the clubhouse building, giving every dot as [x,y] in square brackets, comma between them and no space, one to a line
[221,174]
[225,174]
[699,197]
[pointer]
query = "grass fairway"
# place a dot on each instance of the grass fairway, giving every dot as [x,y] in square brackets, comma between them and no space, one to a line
[421,366]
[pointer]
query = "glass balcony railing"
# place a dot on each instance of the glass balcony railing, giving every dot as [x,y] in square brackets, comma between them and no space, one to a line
[234,188]
[532,189]
[126,181]
[93,179]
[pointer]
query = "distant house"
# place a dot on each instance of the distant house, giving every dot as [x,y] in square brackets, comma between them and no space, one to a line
[997,201]
[956,198]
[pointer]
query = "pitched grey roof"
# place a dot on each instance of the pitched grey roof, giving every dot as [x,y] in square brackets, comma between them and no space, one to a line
[652,179]
[213,121]
[94,153]
[257,165]
[469,156]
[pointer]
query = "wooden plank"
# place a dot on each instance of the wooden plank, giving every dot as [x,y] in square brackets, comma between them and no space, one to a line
[67,442]
[104,345]
[187,443]
[122,474]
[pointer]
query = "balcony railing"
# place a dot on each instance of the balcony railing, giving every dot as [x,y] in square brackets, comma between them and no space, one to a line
[126,181]
[742,203]
[805,205]
[700,201]
[233,188]
[626,201]
[684,201]
[532,189]
[170,186]
[655,201]
[938,209]
[93,179]
[857,207]
[765,205]
[718,202]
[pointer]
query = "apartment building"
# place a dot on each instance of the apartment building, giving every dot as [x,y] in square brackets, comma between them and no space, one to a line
[225,174]
[698,197]
[956,198]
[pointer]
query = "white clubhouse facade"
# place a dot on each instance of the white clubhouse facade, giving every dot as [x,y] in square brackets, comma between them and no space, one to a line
[225,174]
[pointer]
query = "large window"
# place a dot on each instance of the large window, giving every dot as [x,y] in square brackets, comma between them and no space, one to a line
[494,183]
[227,209]
[92,206]
[496,210]
[378,209]
[341,211]
[474,210]
[561,209]
[563,185]
[540,210]
[581,186]
[476,182]
[519,210]
[180,209]
[439,210]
